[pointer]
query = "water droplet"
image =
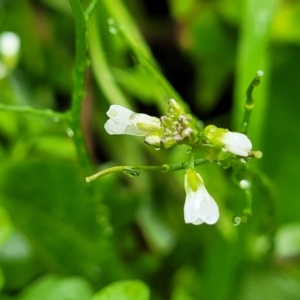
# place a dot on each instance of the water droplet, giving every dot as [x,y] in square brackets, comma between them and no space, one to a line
[244,160]
[55,119]
[112,30]
[113,26]
[236,220]
[70,132]
[157,149]
[132,172]
[244,184]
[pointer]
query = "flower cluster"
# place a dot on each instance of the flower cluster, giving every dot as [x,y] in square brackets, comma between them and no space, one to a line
[176,128]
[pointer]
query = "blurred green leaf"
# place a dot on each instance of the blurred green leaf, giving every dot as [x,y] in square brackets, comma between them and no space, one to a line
[282,140]
[252,56]
[124,290]
[286,26]
[54,145]
[275,285]
[287,241]
[138,82]
[213,48]
[54,288]
[18,262]
[49,202]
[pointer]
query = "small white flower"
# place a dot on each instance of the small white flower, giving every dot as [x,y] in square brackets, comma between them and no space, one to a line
[199,206]
[233,142]
[125,121]
[236,143]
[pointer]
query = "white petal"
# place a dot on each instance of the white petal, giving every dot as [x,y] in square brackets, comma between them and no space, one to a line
[236,143]
[113,126]
[119,112]
[125,121]
[120,121]
[199,206]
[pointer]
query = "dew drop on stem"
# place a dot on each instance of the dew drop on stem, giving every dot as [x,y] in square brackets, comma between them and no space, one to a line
[55,119]
[70,132]
[244,184]
[132,172]
[236,220]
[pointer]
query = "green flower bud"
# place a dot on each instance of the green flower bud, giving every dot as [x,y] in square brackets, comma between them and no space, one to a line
[168,142]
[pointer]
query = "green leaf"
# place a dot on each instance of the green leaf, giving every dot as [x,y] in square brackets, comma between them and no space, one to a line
[275,285]
[53,288]
[18,263]
[124,290]
[49,202]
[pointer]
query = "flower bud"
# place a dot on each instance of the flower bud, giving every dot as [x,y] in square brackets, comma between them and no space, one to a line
[233,142]
[153,139]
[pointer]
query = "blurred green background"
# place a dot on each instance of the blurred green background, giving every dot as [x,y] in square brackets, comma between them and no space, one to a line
[125,238]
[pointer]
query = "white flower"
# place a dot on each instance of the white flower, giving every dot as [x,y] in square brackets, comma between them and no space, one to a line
[199,206]
[233,142]
[236,143]
[125,121]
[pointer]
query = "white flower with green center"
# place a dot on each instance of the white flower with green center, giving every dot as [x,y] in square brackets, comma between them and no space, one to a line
[233,142]
[124,121]
[199,206]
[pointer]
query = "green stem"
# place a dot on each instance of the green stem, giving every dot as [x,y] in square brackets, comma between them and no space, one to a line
[79,81]
[249,104]
[253,54]
[165,168]
[89,10]
[100,66]
[270,199]
[26,109]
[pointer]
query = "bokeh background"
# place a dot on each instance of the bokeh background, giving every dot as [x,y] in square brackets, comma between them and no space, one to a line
[61,238]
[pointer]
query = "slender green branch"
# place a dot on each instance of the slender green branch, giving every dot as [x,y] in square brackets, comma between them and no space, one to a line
[89,10]
[79,72]
[100,66]
[134,171]
[270,197]
[249,104]
[26,109]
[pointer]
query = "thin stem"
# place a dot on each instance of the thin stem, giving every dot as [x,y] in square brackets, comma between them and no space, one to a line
[79,81]
[249,104]
[89,10]
[270,192]
[26,109]
[133,171]
[100,66]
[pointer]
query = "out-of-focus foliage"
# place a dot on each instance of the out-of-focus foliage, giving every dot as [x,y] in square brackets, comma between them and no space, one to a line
[125,238]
